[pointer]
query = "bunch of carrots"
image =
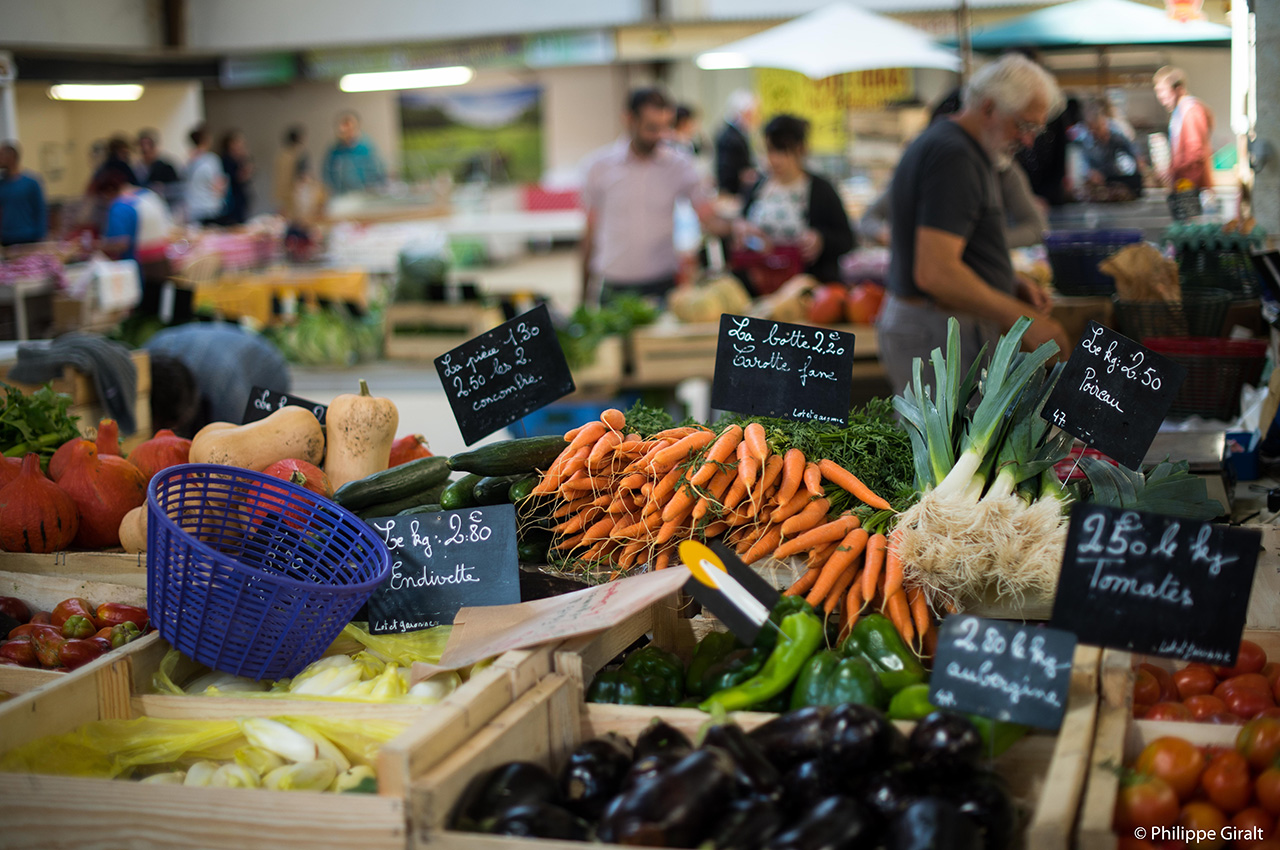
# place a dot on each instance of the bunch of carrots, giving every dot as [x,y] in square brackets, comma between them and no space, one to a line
[622,501]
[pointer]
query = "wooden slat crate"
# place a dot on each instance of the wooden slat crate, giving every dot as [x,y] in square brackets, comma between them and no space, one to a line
[111,567]
[604,373]
[543,726]
[457,323]
[1120,737]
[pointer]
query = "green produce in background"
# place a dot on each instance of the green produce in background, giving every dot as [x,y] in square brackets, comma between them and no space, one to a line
[587,327]
[875,639]
[619,687]
[829,679]
[38,422]
[660,672]
[912,703]
[733,669]
[802,634]
[709,651]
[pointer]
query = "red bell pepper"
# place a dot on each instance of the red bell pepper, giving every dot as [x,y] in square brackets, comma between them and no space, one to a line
[78,626]
[47,647]
[68,608]
[19,651]
[115,613]
[77,653]
[15,608]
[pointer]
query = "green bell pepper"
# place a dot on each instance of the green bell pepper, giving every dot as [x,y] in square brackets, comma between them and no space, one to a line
[768,635]
[802,634]
[996,735]
[829,679]
[710,650]
[660,671]
[734,669]
[619,687]
[875,639]
[912,703]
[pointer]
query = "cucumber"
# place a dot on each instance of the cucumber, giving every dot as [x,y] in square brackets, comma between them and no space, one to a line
[460,494]
[393,484]
[522,489]
[495,489]
[533,551]
[510,457]
[431,495]
[421,509]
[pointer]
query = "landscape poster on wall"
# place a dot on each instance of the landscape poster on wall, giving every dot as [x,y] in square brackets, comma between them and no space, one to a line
[493,136]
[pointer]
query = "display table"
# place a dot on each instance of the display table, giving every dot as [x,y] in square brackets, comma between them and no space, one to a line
[250,294]
[17,294]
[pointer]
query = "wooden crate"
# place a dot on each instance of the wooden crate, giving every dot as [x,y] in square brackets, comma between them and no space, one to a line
[122,568]
[457,323]
[543,726]
[1120,737]
[604,373]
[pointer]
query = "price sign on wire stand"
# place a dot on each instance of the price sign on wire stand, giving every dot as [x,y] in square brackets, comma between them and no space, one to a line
[264,402]
[1113,394]
[1006,671]
[1155,584]
[443,561]
[767,368]
[504,374]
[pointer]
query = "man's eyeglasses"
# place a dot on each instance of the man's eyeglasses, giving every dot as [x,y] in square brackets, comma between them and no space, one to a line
[1028,128]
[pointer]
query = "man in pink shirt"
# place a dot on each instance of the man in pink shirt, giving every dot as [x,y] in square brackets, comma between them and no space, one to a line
[630,195]
[1190,123]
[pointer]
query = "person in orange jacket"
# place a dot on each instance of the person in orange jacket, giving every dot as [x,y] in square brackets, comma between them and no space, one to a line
[1190,123]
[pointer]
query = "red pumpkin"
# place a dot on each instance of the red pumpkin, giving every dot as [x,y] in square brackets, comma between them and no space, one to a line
[826,306]
[162,451]
[35,515]
[107,442]
[407,448]
[104,488]
[863,304]
[9,469]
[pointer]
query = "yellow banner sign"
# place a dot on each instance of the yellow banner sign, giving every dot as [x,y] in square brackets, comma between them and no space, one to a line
[823,103]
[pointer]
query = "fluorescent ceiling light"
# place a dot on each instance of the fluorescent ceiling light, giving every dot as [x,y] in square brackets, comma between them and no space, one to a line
[94,91]
[422,78]
[714,61]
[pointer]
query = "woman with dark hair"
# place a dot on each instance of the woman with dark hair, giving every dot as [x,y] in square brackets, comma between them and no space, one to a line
[795,207]
[239,169]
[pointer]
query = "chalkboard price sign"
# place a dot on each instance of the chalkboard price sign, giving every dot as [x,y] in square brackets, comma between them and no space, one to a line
[264,402]
[1155,584]
[767,368]
[1113,394]
[1006,671]
[443,561]
[504,374]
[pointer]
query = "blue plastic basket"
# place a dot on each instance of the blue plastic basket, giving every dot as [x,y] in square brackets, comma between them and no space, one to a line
[252,575]
[1075,255]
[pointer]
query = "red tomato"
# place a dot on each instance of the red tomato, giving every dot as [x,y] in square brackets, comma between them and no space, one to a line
[862,305]
[1247,820]
[41,617]
[1144,801]
[827,306]
[15,608]
[1223,718]
[20,651]
[1252,681]
[1169,711]
[1206,819]
[1251,659]
[1146,689]
[1274,711]
[1203,705]
[1247,703]
[1168,690]
[1174,760]
[1194,680]
[1267,787]
[1140,710]
[1272,671]
[1259,742]
[1226,782]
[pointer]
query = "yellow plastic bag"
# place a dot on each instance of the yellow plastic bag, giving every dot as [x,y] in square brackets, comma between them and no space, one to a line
[425,645]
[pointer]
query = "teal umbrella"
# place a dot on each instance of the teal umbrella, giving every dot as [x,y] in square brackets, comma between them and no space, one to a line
[1097,23]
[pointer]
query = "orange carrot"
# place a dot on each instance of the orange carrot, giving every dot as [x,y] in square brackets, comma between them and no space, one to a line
[715,529]
[571,507]
[666,486]
[600,529]
[875,563]
[748,470]
[749,539]
[586,483]
[677,433]
[841,477]
[680,450]
[930,642]
[615,419]
[578,522]
[561,468]
[669,529]
[768,475]
[807,518]
[802,584]
[892,568]
[838,590]
[813,479]
[662,559]
[841,560]
[720,452]
[569,543]
[853,601]
[919,606]
[763,546]
[602,450]
[572,433]
[587,435]
[824,533]
[792,475]
[900,614]
[737,491]
[757,444]
[798,503]
[819,555]
[680,505]
[634,481]
[641,528]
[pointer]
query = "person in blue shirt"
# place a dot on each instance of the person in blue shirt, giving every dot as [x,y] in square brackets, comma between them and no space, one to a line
[22,209]
[352,164]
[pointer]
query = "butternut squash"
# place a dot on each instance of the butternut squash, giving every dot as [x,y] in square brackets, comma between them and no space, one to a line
[289,432]
[361,430]
[133,530]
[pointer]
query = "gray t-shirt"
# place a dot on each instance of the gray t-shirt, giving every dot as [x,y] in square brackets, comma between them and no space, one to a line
[946,181]
[227,363]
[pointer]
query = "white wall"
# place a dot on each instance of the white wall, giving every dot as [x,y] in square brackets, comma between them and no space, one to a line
[58,134]
[237,25]
[80,23]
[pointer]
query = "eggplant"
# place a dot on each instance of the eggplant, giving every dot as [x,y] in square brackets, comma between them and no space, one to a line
[517,783]
[661,737]
[836,823]
[593,775]
[678,808]
[984,797]
[861,739]
[793,737]
[945,744]
[808,781]
[750,823]
[539,820]
[889,792]
[650,767]
[932,823]
[754,773]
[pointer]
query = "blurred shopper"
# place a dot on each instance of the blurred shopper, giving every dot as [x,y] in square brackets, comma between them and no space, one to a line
[117,162]
[1045,159]
[630,197]
[1108,155]
[156,172]
[291,161]
[23,216]
[686,133]
[793,206]
[138,228]
[206,181]
[735,166]
[1190,125]
[353,164]
[949,253]
[238,166]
